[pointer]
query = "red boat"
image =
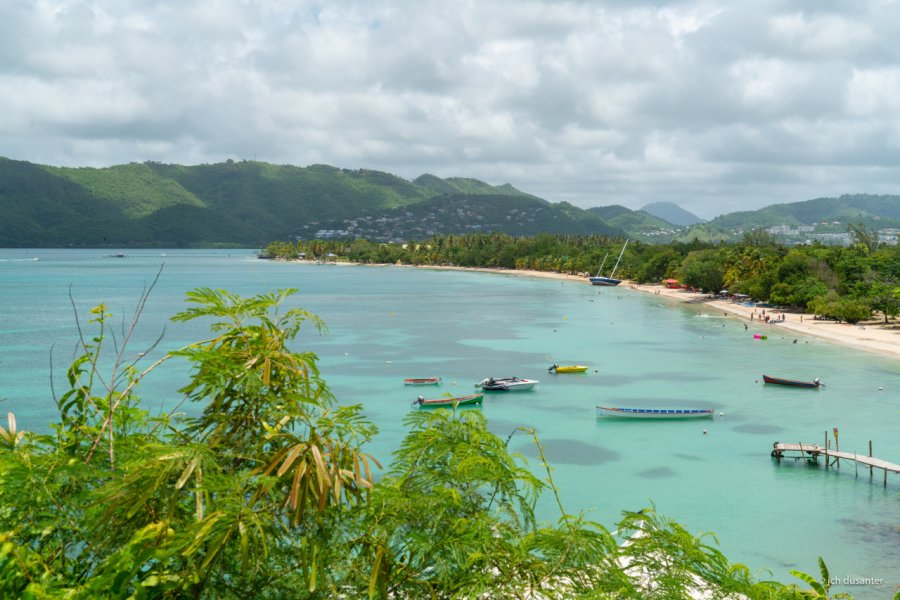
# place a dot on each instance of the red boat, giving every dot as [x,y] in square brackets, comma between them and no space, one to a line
[815,383]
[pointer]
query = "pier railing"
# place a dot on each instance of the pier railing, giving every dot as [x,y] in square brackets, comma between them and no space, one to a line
[833,457]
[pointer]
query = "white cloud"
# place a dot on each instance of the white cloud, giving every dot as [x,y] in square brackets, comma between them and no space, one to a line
[714,105]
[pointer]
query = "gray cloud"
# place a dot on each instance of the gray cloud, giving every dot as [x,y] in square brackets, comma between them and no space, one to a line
[718,106]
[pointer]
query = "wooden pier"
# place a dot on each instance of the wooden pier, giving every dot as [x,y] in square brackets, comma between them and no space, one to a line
[833,457]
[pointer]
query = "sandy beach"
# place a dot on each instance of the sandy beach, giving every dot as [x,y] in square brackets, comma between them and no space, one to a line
[872,335]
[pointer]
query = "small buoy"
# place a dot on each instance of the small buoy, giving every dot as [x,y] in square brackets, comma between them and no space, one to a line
[346,354]
[705,432]
[880,389]
[387,362]
[721,414]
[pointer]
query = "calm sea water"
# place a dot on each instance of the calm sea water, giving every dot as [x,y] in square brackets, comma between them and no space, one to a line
[389,323]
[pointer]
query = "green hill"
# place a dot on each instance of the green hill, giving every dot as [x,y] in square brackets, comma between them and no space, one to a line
[244,203]
[639,224]
[878,211]
[466,213]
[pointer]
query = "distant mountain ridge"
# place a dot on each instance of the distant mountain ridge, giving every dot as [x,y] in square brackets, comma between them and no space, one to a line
[672,213]
[248,203]
[863,208]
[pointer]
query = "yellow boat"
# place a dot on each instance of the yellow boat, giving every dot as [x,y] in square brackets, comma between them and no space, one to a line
[567,369]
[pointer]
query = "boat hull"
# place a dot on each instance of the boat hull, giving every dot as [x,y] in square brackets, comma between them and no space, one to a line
[422,381]
[655,413]
[569,369]
[604,281]
[450,402]
[791,382]
[508,384]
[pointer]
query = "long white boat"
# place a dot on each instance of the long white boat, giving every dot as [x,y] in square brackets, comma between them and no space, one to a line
[507,384]
[655,413]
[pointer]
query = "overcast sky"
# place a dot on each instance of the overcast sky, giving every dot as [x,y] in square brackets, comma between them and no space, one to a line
[716,106]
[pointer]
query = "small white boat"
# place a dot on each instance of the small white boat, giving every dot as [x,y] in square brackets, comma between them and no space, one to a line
[655,413]
[507,384]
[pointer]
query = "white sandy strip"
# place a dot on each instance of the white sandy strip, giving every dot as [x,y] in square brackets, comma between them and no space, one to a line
[872,336]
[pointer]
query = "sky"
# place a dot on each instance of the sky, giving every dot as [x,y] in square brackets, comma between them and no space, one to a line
[715,106]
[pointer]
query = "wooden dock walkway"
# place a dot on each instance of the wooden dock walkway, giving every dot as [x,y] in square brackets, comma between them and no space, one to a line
[832,457]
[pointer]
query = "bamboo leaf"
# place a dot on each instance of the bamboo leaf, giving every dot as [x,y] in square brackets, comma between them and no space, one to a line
[295,488]
[187,473]
[376,571]
[313,570]
[321,472]
[245,547]
[294,453]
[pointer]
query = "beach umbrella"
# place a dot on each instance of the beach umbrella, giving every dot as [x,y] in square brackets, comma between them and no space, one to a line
[723,291]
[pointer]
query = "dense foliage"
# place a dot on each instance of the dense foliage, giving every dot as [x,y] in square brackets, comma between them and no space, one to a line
[240,203]
[266,492]
[846,283]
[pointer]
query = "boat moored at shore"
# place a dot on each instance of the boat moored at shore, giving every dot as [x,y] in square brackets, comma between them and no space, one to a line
[611,280]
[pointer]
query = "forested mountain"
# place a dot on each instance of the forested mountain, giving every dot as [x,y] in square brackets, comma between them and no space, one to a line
[251,203]
[638,223]
[880,211]
[465,213]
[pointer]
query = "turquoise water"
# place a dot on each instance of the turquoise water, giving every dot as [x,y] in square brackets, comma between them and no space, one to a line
[389,323]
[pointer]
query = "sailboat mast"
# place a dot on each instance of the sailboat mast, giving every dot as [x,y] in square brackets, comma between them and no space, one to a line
[600,270]
[613,274]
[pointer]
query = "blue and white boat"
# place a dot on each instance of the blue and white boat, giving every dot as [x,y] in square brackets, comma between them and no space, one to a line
[655,413]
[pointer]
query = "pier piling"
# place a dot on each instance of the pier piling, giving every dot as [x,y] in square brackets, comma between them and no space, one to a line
[813,451]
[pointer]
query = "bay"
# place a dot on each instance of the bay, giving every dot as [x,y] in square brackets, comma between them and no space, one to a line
[388,323]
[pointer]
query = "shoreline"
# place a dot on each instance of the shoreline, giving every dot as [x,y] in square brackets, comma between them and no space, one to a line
[870,336]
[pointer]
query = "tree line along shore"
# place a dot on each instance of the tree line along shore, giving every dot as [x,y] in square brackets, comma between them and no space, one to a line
[843,283]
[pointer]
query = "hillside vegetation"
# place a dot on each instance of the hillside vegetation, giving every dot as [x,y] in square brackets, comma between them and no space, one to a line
[249,203]
[241,203]
[883,211]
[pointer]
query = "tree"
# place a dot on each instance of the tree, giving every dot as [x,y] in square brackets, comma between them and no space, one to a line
[885,298]
[704,269]
[863,237]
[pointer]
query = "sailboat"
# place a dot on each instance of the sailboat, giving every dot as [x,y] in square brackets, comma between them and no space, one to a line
[599,280]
